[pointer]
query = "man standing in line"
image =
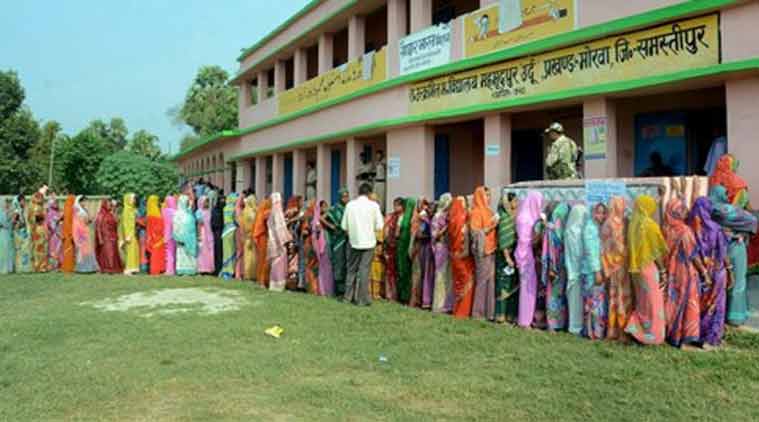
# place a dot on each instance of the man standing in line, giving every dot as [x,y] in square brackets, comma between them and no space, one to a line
[362,219]
[561,162]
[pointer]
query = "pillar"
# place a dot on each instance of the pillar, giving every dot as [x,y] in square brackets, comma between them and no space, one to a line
[396,29]
[326,52]
[260,177]
[421,14]
[356,37]
[351,165]
[600,111]
[740,98]
[497,154]
[280,76]
[414,148]
[300,67]
[263,81]
[243,175]
[485,3]
[323,165]
[229,184]
[299,172]
[278,173]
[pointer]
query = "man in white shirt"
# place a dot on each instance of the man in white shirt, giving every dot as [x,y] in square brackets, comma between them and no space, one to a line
[361,220]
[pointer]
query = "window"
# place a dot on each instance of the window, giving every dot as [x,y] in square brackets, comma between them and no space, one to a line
[340,48]
[444,11]
[312,57]
[376,30]
[270,83]
[289,73]
[253,91]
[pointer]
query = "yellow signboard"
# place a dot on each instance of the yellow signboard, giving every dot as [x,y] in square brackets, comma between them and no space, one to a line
[512,22]
[362,73]
[665,49]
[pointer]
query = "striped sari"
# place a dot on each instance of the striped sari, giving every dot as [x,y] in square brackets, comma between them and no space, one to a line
[228,238]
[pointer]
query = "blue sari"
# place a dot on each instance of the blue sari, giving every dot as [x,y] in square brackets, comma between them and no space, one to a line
[185,234]
[21,239]
[7,248]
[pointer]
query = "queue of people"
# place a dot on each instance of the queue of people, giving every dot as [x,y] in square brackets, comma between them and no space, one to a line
[586,269]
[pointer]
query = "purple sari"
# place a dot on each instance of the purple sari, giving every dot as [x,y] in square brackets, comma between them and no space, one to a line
[168,234]
[206,262]
[443,292]
[319,242]
[427,262]
[528,214]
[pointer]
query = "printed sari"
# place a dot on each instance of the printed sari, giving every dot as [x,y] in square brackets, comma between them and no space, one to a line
[185,234]
[553,270]
[217,226]
[38,233]
[107,240]
[594,293]
[249,253]
[614,265]
[68,262]
[278,239]
[168,234]
[462,263]
[261,239]
[481,219]
[205,261]
[528,214]
[142,226]
[229,239]
[7,248]
[129,233]
[310,256]
[403,259]
[239,240]
[506,283]
[21,240]
[391,256]
[442,301]
[85,253]
[155,246]
[338,242]
[321,250]
[54,235]
[573,258]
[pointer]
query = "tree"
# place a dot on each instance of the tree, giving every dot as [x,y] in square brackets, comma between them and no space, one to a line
[210,105]
[19,132]
[11,94]
[39,155]
[127,172]
[114,134]
[80,157]
[145,144]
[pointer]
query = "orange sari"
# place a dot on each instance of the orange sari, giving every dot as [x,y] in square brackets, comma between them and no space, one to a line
[261,237]
[462,264]
[67,266]
[154,243]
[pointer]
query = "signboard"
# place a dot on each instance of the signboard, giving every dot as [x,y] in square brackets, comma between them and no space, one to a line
[394,167]
[368,70]
[509,23]
[602,190]
[682,45]
[425,49]
[594,137]
[492,149]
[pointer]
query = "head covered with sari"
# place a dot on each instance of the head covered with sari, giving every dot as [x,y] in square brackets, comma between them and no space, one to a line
[674,221]
[728,215]
[185,229]
[613,247]
[644,235]
[168,215]
[725,175]
[153,207]
[709,236]
[481,217]
[129,215]
[573,239]
[528,213]
[279,236]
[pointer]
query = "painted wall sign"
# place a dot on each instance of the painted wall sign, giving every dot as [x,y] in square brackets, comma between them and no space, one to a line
[678,46]
[393,167]
[509,23]
[368,70]
[594,131]
[425,49]
[600,191]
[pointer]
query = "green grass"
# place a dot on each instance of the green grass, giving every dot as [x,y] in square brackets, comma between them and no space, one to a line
[60,360]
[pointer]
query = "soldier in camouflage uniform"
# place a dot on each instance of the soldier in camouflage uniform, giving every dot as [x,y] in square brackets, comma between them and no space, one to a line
[562,159]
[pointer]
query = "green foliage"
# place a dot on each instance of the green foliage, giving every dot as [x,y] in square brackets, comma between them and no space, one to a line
[11,94]
[79,158]
[210,105]
[113,134]
[18,133]
[145,144]
[39,154]
[128,172]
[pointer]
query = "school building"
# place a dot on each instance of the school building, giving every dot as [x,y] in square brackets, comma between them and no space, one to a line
[458,93]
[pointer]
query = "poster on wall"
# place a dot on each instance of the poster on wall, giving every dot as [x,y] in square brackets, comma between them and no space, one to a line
[509,23]
[594,131]
[394,167]
[600,191]
[425,49]
[670,48]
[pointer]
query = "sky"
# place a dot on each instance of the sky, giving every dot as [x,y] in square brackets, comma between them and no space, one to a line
[80,60]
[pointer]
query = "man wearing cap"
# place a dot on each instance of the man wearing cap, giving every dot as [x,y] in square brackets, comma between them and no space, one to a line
[560,163]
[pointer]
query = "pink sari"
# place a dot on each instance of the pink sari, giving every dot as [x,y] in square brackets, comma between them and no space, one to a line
[206,263]
[528,214]
[168,229]
[279,237]
[319,243]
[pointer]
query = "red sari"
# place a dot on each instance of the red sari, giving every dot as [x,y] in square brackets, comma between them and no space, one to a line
[391,250]
[154,242]
[261,238]
[462,264]
[67,266]
[107,240]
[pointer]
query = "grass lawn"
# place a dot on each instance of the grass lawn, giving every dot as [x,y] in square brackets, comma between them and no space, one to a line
[61,360]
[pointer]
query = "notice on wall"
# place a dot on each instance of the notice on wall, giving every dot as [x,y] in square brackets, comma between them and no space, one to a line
[394,167]
[600,191]
[492,149]
[687,44]
[364,72]
[509,23]
[594,131]
[425,49]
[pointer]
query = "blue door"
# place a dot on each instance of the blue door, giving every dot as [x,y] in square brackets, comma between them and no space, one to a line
[252,175]
[442,165]
[660,147]
[335,176]
[288,177]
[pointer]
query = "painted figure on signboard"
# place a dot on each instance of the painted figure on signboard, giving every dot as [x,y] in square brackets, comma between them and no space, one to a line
[561,162]
[483,24]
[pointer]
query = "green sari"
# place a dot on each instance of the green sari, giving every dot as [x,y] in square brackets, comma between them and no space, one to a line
[404,261]
[22,240]
[506,285]
[338,244]
[228,239]
[7,248]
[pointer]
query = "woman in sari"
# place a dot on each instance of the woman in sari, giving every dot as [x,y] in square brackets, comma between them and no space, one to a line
[647,323]
[310,258]
[726,176]
[483,223]
[239,240]
[278,239]
[85,253]
[217,226]
[261,239]
[442,301]
[142,226]
[7,248]
[573,258]
[185,234]
[155,246]
[712,248]
[22,243]
[392,230]
[594,290]
[229,239]
[249,253]
[167,214]
[419,254]
[68,262]
[528,215]
[462,263]
[682,303]
[505,274]
[403,258]
[321,249]
[54,241]
[293,221]
[377,269]
[738,224]
[554,274]
[338,241]
[614,265]
[205,263]
[130,241]
[38,231]
[107,240]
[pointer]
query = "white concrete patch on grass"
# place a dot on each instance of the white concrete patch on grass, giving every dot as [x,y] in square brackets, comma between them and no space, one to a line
[204,301]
